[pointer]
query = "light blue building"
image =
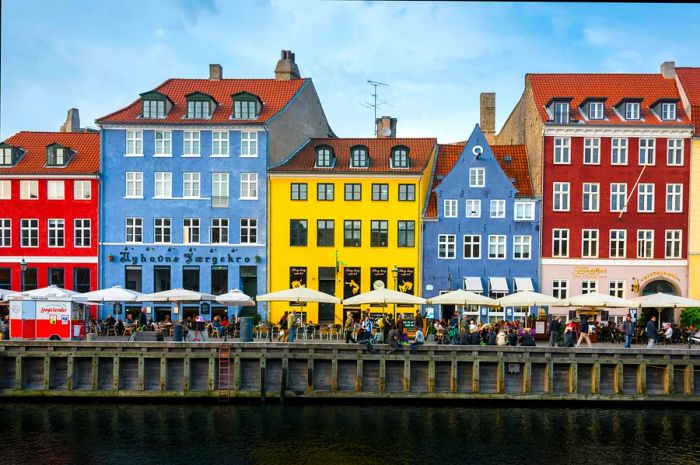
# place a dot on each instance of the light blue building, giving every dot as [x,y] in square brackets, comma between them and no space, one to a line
[481,223]
[184,187]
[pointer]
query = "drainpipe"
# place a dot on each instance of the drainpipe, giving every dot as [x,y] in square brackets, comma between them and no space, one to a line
[268,277]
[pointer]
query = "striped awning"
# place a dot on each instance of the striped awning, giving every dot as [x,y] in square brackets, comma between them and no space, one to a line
[473,284]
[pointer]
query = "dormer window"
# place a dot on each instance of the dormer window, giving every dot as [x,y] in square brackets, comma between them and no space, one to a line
[199,106]
[8,155]
[668,111]
[399,157]
[154,105]
[595,110]
[632,110]
[246,106]
[324,157]
[57,155]
[359,157]
[561,112]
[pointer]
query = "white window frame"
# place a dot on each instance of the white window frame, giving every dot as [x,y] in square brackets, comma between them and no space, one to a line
[163,146]
[618,150]
[191,144]
[593,242]
[471,240]
[674,195]
[135,226]
[674,152]
[524,243]
[27,188]
[58,226]
[591,190]
[647,152]
[591,151]
[166,225]
[55,190]
[645,242]
[134,143]
[560,235]
[195,223]
[249,186]
[646,197]
[589,286]
[249,144]
[620,194]
[450,208]
[82,232]
[136,183]
[524,211]
[632,111]
[560,288]
[5,232]
[596,110]
[223,226]
[616,288]
[668,111]
[219,186]
[562,151]
[561,190]
[33,230]
[497,208]
[5,189]
[472,208]
[477,177]
[617,237]
[250,225]
[220,144]
[162,185]
[81,188]
[561,113]
[500,243]
[675,238]
[449,242]
[191,185]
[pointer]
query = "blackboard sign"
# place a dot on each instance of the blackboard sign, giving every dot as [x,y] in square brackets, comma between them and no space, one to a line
[297,278]
[351,281]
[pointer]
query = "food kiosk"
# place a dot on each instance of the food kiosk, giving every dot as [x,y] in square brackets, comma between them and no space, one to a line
[33,317]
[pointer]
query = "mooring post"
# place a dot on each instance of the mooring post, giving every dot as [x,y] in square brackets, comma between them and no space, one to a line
[501,376]
[18,372]
[47,371]
[382,374]
[237,373]
[527,377]
[642,378]
[95,373]
[115,373]
[431,375]
[141,384]
[334,372]
[549,377]
[475,377]
[358,375]
[163,373]
[407,375]
[453,376]
[186,373]
[284,382]
[263,369]
[310,373]
[689,381]
[211,372]
[70,372]
[573,378]
[618,378]
[595,378]
[668,379]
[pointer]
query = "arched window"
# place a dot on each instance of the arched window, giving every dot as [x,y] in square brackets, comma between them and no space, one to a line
[324,157]
[359,157]
[399,157]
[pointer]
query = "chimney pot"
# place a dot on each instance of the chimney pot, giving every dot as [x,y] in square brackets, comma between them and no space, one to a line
[386,127]
[668,69]
[216,72]
[286,68]
[72,123]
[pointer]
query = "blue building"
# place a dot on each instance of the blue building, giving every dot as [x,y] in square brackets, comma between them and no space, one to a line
[481,222]
[184,197]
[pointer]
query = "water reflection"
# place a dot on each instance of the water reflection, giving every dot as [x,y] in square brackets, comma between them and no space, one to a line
[340,434]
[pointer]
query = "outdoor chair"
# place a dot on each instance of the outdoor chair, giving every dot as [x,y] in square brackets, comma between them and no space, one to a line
[324,332]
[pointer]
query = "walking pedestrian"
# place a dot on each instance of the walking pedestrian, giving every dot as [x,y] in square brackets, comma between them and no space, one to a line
[292,326]
[554,331]
[628,331]
[349,326]
[652,333]
[585,328]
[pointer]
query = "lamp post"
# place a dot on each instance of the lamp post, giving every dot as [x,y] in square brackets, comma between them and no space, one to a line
[395,274]
[23,269]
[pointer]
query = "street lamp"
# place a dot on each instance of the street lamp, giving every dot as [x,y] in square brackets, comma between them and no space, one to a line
[395,274]
[23,269]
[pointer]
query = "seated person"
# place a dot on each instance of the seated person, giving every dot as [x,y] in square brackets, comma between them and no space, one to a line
[527,340]
[492,339]
[475,338]
[512,338]
[501,339]
[110,321]
[668,334]
[419,340]
[568,337]
[394,341]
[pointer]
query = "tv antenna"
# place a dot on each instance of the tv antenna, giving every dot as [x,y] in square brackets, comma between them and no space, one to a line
[377,101]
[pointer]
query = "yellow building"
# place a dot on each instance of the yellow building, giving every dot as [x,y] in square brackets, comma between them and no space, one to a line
[344,213]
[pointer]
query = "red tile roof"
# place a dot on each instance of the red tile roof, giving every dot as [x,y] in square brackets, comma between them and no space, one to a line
[690,81]
[613,87]
[517,169]
[274,95]
[419,153]
[85,160]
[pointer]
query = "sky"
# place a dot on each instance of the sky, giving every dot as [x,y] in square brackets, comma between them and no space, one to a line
[98,56]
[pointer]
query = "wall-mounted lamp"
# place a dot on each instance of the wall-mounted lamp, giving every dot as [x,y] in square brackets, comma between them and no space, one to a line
[635,285]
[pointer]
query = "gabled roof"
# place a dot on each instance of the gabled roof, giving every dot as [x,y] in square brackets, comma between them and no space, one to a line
[614,87]
[86,159]
[304,160]
[517,169]
[690,81]
[274,94]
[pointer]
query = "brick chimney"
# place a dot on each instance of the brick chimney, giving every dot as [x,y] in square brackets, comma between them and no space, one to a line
[487,115]
[668,69]
[386,127]
[216,72]
[72,123]
[286,68]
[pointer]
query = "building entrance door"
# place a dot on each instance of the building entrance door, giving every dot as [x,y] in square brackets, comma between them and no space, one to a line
[326,283]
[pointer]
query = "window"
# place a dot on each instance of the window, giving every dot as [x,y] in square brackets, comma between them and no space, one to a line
[134,230]
[82,190]
[163,185]
[57,155]
[132,278]
[134,184]
[618,243]
[473,208]
[164,144]
[618,151]
[324,157]
[199,109]
[450,208]
[477,177]
[645,243]
[161,278]
[591,151]
[245,108]
[379,236]
[191,144]
[618,197]
[219,230]
[29,190]
[325,191]
[190,231]
[589,286]
[522,247]
[561,196]
[399,158]
[407,234]
[161,228]
[561,112]
[498,209]
[591,197]
[29,233]
[55,190]
[673,243]
[31,278]
[674,198]
[219,279]
[153,108]
[219,190]
[219,144]
[191,185]
[447,245]
[617,288]
[646,151]
[668,111]
[57,277]
[674,155]
[595,110]
[325,233]
[249,144]
[298,232]
[5,232]
[645,198]
[81,279]
[524,211]
[5,279]
[249,186]
[81,233]
[380,192]
[472,247]
[359,158]
[352,233]
[299,191]
[353,192]
[560,288]
[407,192]
[632,110]
[497,247]
[249,231]
[589,243]
[190,278]
[134,143]
[6,156]
[560,242]
[562,150]
[5,190]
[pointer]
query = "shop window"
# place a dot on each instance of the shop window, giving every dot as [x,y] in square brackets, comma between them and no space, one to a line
[81,279]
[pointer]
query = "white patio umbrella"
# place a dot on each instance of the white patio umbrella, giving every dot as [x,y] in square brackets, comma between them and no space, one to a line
[298,294]
[661,300]
[47,293]
[462,297]
[176,295]
[112,294]
[529,299]
[384,296]
[235,298]
[598,300]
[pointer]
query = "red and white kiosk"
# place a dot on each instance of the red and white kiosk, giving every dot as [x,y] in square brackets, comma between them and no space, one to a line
[46,313]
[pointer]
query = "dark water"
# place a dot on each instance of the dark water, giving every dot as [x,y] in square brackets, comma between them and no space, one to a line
[193,434]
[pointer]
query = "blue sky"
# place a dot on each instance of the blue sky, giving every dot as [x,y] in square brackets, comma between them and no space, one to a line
[437,57]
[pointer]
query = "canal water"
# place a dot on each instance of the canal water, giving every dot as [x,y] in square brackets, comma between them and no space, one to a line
[341,434]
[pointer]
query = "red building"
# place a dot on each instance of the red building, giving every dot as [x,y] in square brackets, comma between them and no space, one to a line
[49,210]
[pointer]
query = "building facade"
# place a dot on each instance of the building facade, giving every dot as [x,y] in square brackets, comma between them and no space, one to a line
[346,216]
[49,189]
[615,164]
[185,187]
[481,223]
